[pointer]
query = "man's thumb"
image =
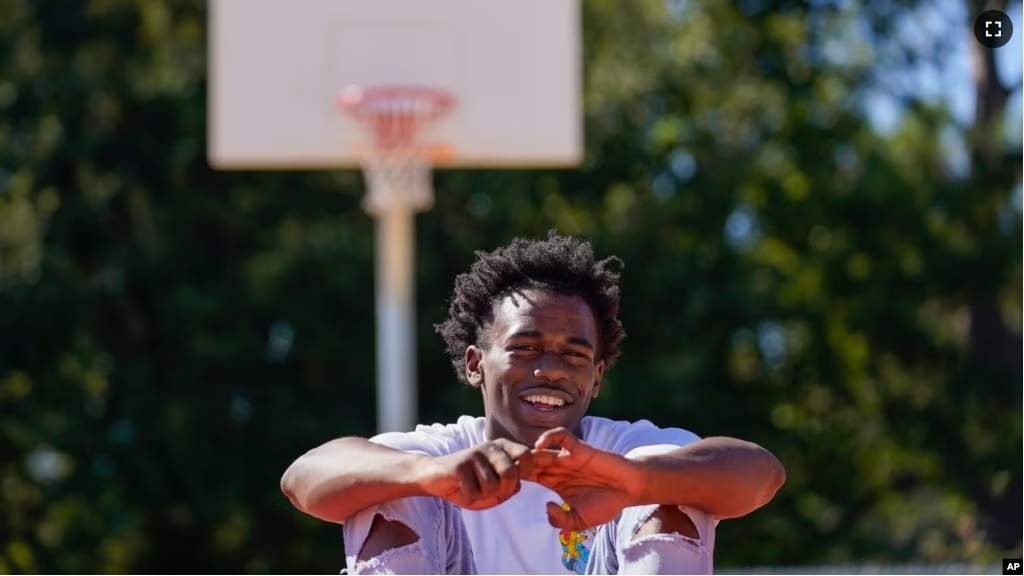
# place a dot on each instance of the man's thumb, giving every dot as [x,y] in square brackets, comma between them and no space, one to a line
[525,465]
[559,517]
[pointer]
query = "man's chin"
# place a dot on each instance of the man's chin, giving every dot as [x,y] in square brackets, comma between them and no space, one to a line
[524,426]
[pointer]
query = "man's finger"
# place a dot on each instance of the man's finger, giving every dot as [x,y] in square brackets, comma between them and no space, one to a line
[525,465]
[485,476]
[508,475]
[565,519]
[513,449]
[545,458]
[536,464]
[557,437]
[469,487]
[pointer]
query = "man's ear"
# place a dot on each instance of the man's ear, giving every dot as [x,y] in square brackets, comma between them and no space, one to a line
[598,378]
[474,366]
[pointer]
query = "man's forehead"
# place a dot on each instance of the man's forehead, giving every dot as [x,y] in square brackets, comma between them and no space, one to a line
[527,309]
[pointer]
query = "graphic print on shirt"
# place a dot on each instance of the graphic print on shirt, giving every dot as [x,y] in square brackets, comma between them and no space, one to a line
[575,554]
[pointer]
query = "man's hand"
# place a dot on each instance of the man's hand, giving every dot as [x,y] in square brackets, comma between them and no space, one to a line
[596,484]
[476,478]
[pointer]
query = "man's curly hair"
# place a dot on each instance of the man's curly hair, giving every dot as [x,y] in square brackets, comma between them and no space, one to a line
[559,264]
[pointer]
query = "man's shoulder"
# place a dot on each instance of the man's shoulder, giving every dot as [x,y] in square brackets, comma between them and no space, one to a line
[436,439]
[593,424]
[468,430]
[624,436]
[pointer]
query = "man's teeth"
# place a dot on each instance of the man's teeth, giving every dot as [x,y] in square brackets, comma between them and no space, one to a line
[549,400]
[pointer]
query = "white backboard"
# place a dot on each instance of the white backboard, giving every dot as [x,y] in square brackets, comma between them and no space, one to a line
[278,66]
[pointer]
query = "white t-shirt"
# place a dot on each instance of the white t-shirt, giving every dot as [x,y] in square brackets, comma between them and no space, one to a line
[515,537]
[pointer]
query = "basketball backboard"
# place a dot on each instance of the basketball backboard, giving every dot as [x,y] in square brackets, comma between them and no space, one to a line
[277,68]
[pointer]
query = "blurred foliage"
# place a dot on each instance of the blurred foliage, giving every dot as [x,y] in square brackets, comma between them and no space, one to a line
[171,338]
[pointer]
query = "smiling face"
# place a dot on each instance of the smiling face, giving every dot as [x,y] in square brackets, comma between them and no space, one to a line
[538,369]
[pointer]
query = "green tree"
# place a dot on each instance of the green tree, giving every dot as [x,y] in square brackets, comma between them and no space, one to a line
[172,337]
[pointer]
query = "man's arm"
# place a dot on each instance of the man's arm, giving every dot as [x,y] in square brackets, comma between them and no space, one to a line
[725,477]
[347,475]
[336,480]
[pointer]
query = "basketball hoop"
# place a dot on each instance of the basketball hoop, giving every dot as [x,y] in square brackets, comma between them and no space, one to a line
[398,119]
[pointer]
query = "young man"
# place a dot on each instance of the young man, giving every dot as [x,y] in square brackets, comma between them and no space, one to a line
[534,486]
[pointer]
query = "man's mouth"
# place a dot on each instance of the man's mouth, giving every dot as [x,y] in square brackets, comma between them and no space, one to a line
[545,400]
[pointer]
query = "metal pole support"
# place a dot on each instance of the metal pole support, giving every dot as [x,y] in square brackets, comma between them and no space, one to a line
[396,314]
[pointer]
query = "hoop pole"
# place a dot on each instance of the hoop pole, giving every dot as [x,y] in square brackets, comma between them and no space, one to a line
[396,313]
[395,115]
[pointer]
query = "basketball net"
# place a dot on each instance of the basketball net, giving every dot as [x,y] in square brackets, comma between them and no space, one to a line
[397,166]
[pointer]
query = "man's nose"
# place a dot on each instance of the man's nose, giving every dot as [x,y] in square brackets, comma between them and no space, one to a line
[549,367]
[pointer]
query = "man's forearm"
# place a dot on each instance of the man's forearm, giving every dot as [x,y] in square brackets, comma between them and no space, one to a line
[725,477]
[344,476]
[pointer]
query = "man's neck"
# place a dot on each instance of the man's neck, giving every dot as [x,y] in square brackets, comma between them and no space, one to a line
[493,430]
